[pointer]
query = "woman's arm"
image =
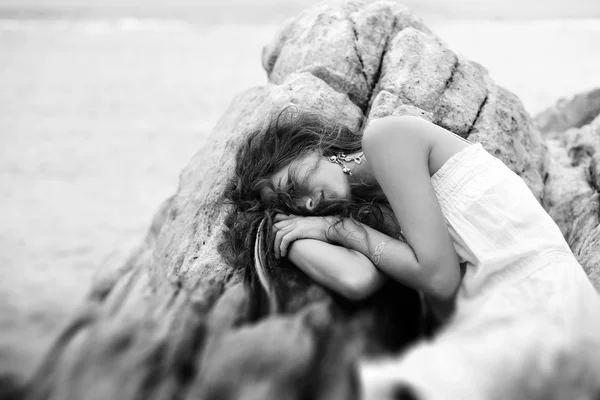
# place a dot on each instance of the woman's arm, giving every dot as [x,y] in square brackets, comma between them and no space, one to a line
[306,243]
[344,271]
[398,149]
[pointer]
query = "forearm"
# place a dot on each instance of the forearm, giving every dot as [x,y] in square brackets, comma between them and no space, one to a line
[345,271]
[397,259]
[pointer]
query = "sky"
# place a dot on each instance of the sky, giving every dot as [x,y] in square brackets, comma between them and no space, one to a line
[249,11]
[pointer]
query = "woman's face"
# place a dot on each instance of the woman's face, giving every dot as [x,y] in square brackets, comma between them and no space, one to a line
[313,178]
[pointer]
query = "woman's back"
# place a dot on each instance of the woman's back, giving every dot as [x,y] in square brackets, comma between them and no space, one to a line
[497,226]
[526,323]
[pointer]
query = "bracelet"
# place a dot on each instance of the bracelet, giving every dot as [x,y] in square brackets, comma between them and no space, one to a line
[376,256]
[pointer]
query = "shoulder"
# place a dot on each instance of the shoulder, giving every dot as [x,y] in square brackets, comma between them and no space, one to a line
[403,133]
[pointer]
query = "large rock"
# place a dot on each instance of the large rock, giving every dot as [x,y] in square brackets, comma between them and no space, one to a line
[572,181]
[343,46]
[171,323]
[575,112]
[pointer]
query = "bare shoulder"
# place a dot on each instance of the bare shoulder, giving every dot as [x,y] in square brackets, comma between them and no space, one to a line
[384,129]
[413,137]
[403,135]
[398,150]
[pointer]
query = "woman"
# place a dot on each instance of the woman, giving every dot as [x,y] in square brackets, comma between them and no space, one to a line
[521,318]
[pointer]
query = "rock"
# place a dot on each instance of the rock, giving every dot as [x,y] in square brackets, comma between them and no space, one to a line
[416,68]
[342,46]
[571,192]
[175,307]
[10,388]
[575,112]
[386,104]
[172,321]
[507,132]
[421,77]
[320,41]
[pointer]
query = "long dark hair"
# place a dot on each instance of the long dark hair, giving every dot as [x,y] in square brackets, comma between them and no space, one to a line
[248,236]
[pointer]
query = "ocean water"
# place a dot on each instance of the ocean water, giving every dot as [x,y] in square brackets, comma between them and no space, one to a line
[99,115]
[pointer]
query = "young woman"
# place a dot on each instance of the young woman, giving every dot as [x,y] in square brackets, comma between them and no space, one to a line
[414,202]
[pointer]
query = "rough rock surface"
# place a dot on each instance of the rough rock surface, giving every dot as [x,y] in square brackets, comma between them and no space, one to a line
[169,324]
[575,112]
[572,180]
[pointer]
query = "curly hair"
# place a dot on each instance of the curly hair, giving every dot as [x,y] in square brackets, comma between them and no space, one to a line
[284,138]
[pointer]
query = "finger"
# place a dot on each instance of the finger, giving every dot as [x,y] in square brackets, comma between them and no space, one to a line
[287,239]
[284,217]
[279,234]
[283,224]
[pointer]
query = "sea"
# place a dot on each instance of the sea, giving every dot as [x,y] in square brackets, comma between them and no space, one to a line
[102,106]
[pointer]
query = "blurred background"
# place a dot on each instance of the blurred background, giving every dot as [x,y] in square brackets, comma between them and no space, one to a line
[103,102]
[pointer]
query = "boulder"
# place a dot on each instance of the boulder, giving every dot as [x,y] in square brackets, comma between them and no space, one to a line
[572,180]
[171,323]
[574,112]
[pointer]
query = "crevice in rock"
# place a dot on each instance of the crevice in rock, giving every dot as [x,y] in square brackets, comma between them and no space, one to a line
[594,180]
[445,88]
[377,75]
[481,107]
[358,54]
[451,77]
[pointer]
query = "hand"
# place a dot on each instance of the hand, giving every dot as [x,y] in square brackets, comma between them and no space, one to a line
[289,228]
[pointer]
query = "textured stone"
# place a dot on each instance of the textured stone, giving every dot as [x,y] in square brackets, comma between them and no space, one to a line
[507,132]
[320,42]
[176,306]
[374,25]
[171,322]
[343,46]
[417,68]
[575,112]
[386,104]
[571,192]
[465,94]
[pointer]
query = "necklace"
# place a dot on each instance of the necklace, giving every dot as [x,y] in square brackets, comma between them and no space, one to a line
[338,158]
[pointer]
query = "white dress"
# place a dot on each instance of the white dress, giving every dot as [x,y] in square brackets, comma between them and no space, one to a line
[527,319]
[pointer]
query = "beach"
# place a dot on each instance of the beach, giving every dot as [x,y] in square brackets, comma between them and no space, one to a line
[101,108]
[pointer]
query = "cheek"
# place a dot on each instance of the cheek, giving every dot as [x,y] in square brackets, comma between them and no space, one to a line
[330,178]
[338,185]
[344,189]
